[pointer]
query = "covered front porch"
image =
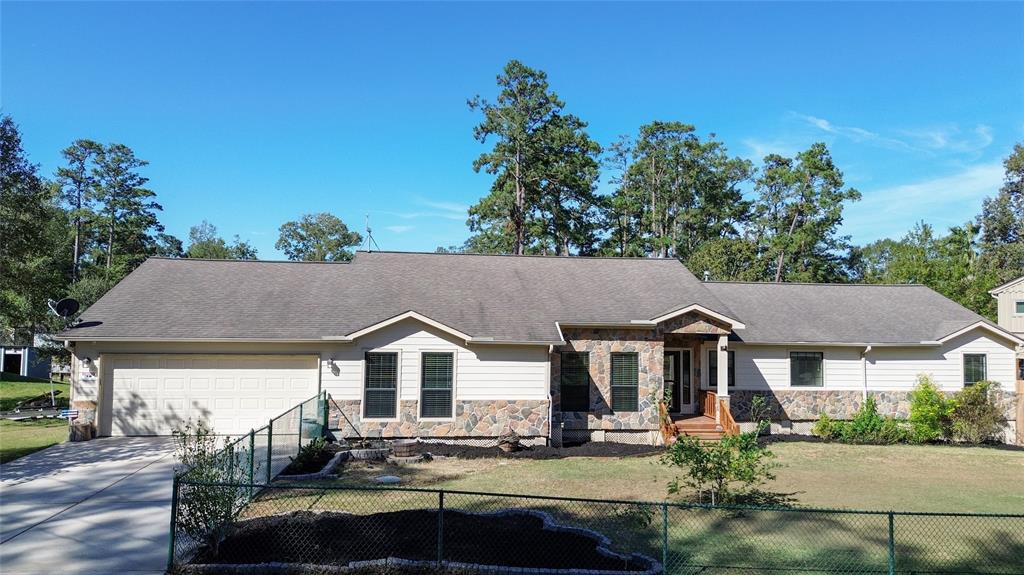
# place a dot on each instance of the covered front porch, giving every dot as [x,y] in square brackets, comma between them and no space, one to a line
[697,373]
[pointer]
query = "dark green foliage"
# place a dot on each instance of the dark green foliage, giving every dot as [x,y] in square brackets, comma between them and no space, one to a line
[206,244]
[975,417]
[867,426]
[310,457]
[318,237]
[727,469]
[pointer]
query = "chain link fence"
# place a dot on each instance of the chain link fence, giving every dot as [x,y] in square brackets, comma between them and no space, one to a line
[393,529]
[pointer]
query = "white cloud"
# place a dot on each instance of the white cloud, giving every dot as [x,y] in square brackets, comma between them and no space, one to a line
[398,229]
[852,132]
[943,202]
[761,148]
[951,138]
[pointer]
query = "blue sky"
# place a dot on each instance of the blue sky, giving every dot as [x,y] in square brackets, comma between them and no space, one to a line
[252,114]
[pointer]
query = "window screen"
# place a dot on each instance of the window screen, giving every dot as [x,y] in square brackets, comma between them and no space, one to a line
[436,382]
[381,385]
[975,368]
[625,382]
[805,369]
[575,381]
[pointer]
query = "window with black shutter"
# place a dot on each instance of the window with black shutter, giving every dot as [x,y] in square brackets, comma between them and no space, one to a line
[381,397]
[625,382]
[575,385]
[436,385]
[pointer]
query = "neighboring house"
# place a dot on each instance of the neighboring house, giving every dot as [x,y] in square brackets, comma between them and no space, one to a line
[469,346]
[1010,297]
[25,360]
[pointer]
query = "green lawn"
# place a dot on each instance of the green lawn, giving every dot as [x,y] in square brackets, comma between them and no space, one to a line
[904,478]
[19,438]
[866,477]
[12,392]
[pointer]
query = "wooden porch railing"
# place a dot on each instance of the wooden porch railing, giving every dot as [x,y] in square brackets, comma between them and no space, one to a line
[712,406]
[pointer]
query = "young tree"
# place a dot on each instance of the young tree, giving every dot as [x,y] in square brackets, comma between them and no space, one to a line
[205,243]
[77,182]
[545,168]
[798,214]
[318,237]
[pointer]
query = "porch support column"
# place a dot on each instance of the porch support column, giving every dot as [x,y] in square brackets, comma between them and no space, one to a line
[723,374]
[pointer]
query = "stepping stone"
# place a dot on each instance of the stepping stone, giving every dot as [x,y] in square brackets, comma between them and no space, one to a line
[388,479]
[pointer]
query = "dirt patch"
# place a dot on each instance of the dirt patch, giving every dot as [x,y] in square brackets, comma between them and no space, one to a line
[513,539]
[590,449]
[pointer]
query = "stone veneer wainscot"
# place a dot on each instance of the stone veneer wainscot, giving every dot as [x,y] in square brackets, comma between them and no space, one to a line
[528,418]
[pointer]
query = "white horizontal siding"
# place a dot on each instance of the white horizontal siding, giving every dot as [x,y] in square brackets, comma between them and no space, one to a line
[888,368]
[481,373]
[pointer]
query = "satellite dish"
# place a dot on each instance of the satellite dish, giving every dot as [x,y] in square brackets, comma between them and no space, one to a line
[65,308]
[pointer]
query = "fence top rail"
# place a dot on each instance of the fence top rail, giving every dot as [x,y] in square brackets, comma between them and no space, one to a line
[678,505]
[293,408]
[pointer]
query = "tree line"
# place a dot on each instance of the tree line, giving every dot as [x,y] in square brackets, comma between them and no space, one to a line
[79,232]
[678,194]
[674,193]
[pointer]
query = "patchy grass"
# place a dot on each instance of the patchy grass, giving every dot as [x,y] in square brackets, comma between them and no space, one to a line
[905,478]
[13,392]
[868,477]
[19,438]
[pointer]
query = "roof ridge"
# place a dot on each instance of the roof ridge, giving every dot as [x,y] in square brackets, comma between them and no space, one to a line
[858,284]
[258,261]
[537,256]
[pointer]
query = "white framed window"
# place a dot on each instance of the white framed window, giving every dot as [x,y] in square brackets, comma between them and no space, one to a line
[437,385]
[380,385]
[975,368]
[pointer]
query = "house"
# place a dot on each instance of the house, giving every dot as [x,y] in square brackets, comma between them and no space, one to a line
[466,347]
[1010,298]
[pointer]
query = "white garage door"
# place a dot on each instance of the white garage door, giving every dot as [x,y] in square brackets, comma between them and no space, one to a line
[152,394]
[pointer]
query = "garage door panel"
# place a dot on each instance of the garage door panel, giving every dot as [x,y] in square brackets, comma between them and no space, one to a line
[153,394]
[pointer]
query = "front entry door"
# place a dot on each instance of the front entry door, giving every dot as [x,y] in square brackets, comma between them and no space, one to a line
[677,379]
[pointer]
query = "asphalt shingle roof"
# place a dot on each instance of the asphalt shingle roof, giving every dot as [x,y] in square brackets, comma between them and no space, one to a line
[842,313]
[506,298]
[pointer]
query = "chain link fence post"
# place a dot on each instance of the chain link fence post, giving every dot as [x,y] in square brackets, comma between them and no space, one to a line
[326,411]
[892,544]
[300,427]
[664,537]
[252,459]
[174,521]
[440,527]
[270,451]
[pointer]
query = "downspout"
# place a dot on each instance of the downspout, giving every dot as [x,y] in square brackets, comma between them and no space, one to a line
[551,408]
[864,371]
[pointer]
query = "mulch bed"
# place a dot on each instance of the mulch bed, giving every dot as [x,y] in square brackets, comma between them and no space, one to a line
[590,449]
[515,540]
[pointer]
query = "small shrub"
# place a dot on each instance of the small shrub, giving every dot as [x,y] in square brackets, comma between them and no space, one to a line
[930,411]
[727,469]
[867,426]
[825,427]
[760,412]
[208,507]
[975,416]
[309,458]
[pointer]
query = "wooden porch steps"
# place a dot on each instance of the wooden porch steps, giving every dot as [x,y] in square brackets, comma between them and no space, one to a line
[699,426]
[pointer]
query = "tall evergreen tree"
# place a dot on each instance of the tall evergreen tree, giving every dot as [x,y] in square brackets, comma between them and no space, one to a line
[545,168]
[77,182]
[798,214]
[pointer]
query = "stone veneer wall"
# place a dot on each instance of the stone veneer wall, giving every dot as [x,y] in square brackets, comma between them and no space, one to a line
[528,418]
[600,343]
[806,405]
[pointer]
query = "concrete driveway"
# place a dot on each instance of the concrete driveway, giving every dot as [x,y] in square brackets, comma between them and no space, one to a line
[101,506]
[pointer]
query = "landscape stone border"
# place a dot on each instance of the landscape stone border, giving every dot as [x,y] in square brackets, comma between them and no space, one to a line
[603,548]
[328,469]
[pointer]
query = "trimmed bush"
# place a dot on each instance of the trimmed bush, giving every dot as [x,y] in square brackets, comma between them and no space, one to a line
[929,411]
[975,416]
[865,427]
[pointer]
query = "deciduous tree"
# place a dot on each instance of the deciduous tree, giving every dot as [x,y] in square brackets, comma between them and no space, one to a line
[318,237]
